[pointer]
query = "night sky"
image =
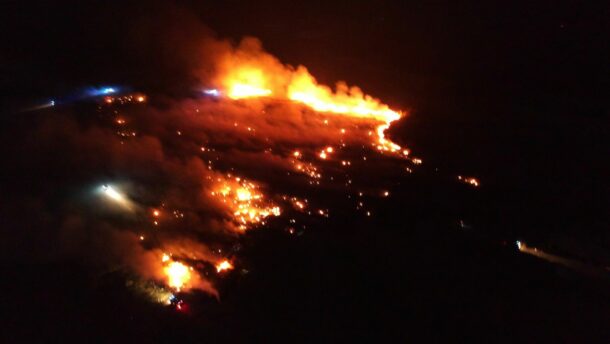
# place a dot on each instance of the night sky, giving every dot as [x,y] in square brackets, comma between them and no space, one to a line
[514,95]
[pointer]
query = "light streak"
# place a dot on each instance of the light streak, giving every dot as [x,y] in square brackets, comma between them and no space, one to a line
[112,193]
[573,264]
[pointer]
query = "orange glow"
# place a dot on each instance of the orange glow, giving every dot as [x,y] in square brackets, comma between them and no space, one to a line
[472,181]
[346,100]
[247,205]
[250,72]
[245,82]
[223,266]
[177,274]
[239,91]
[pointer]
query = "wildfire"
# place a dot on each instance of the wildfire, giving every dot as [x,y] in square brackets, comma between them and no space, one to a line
[350,101]
[250,72]
[339,123]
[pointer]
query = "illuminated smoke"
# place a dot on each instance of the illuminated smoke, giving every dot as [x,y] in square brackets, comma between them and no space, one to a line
[249,72]
[203,171]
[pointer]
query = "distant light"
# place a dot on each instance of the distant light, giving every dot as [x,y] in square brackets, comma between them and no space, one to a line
[116,196]
[519,244]
[52,103]
[212,92]
[103,91]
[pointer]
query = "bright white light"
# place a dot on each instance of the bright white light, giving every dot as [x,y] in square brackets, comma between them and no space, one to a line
[115,195]
[212,92]
[112,193]
[518,244]
[108,90]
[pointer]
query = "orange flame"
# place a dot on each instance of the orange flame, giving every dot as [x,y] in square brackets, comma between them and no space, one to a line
[250,72]
[224,265]
[177,274]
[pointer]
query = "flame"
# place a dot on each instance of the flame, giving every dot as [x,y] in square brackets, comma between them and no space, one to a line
[224,265]
[177,274]
[346,100]
[239,91]
[250,72]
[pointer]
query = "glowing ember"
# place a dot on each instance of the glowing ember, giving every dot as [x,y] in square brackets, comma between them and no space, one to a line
[472,181]
[246,203]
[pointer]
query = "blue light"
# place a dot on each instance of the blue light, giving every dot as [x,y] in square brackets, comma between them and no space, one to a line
[94,92]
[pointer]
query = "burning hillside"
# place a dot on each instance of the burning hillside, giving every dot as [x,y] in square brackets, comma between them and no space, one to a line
[263,145]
